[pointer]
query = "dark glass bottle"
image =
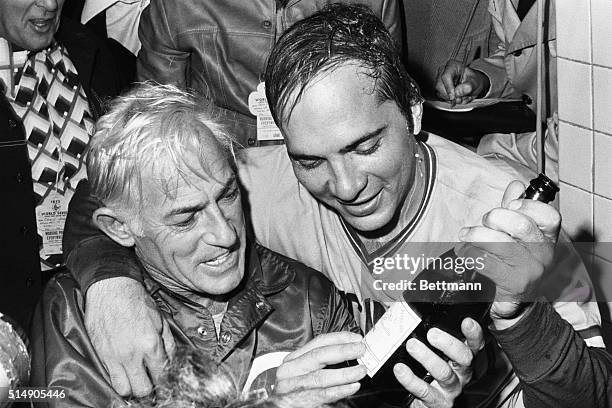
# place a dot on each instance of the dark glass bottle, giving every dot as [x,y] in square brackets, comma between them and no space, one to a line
[444,309]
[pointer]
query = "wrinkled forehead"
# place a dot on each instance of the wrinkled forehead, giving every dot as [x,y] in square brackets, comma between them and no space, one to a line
[202,170]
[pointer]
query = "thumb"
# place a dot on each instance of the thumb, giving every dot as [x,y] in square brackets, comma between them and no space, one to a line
[514,190]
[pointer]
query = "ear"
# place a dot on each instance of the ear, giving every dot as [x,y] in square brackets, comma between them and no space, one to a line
[113,225]
[417,116]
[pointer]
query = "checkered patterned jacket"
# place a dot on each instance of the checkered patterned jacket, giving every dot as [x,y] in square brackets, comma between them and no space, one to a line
[20,276]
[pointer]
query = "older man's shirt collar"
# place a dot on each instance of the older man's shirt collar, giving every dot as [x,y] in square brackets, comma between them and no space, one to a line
[247,307]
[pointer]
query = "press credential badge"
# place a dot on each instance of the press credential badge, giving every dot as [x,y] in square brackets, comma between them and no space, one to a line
[258,106]
[50,219]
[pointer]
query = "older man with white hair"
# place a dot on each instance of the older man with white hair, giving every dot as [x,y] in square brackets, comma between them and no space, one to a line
[163,170]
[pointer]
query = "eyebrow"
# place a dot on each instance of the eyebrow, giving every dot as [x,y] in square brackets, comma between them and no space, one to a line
[346,149]
[228,186]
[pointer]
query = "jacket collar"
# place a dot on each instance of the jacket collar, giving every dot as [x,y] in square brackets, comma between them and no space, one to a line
[246,309]
[521,34]
[263,273]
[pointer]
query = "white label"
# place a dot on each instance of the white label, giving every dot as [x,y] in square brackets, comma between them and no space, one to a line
[50,220]
[258,106]
[387,335]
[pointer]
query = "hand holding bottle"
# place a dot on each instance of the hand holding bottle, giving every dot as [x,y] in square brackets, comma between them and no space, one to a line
[517,242]
[449,376]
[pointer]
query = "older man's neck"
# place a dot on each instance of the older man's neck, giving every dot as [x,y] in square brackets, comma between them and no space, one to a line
[214,303]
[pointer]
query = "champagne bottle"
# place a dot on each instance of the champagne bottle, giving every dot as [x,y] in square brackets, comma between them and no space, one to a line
[442,307]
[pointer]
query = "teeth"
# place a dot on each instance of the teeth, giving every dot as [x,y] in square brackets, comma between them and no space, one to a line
[41,24]
[219,260]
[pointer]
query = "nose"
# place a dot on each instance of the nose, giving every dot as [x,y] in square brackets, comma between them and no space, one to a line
[219,230]
[347,181]
[48,5]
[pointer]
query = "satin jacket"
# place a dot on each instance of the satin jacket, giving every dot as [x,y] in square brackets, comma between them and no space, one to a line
[20,276]
[280,306]
[220,48]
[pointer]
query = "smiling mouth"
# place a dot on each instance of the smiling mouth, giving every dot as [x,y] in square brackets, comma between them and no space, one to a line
[219,260]
[42,25]
[364,207]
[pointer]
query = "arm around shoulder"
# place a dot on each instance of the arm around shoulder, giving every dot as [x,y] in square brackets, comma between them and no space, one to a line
[90,255]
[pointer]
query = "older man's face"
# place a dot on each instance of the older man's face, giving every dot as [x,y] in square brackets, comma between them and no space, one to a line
[30,24]
[350,151]
[192,234]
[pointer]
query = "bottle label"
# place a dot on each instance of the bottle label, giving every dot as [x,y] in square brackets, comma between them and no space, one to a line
[387,335]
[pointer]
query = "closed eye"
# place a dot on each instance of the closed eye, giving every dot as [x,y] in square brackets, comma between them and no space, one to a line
[186,222]
[364,150]
[309,163]
[230,195]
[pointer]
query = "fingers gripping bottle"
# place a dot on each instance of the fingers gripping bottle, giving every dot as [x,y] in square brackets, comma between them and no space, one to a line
[443,308]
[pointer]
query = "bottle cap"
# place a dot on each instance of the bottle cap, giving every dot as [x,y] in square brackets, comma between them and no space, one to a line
[541,189]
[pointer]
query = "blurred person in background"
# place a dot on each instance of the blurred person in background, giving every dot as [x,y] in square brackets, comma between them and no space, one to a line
[511,72]
[54,78]
[440,30]
[116,22]
[220,49]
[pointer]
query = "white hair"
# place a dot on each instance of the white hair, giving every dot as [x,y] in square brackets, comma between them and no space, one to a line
[151,127]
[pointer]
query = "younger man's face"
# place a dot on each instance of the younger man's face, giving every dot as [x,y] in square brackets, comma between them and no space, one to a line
[350,151]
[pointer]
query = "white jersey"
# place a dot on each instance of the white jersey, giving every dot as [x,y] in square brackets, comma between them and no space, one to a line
[461,187]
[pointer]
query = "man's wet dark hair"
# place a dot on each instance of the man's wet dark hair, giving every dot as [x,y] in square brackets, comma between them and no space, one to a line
[337,35]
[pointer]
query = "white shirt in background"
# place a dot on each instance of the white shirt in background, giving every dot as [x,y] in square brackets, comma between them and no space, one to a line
[122,18]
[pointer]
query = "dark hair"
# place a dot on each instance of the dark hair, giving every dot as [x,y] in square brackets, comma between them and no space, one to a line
[338,34]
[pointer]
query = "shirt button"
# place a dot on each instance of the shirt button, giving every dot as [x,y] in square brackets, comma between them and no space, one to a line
[251,141]
[517,53]
[267,24]
[202,331]
[225,338]
[260,304]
